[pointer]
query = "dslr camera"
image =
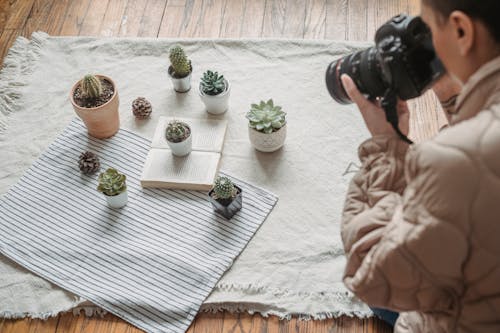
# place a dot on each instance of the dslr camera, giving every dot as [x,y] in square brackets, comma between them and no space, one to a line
[403,64]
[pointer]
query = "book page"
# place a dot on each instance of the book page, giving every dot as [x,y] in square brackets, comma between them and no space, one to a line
[208,134]
[163,169]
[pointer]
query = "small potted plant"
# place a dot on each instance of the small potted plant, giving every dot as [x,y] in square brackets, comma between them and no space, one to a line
[214,92]
[180,69]
[226,197]
[179,138]
[112,184]
[95,100]
[267,126]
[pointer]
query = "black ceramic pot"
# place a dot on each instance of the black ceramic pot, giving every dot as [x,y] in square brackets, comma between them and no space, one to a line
[229,209]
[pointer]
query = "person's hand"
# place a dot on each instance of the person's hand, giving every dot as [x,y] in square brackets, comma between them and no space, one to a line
[373,114]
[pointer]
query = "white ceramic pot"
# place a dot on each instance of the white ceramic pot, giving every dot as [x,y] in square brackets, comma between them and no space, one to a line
[117,201]
[267,142]
[216,104]
[181,148]
[181,85]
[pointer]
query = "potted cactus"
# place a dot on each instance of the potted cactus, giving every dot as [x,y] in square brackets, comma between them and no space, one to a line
[226,197]
[179,138]
[267,126]
[180,69]
[95,100]
[214,92]
[113,185]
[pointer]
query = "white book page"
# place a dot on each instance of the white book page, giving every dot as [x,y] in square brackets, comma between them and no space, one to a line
[208,134]
[196,168]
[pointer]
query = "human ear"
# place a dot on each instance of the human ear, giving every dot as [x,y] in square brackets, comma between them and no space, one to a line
[464,31]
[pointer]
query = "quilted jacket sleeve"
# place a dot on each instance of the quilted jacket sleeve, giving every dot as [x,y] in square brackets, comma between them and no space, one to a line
[404,225]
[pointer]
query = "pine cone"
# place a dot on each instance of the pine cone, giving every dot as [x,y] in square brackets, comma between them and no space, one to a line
[141,108]
[89,163]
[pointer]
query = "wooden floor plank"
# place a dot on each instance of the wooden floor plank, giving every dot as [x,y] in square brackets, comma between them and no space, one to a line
[39,17]
[131,22]
[151,18]
[7,38]
[113,18]
[57,17]
[209,323]
[232,18]
[19,11]
[274,18]
[253,18]
[77,10]
[294,19]
[93,20]
[4,13]
[171,24]
[336,19]
[315,19]
[357,14]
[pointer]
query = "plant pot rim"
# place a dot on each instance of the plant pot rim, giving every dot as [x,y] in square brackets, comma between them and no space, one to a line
[222,94]
[115,194]
[107,78]
[171,69]
[251,128]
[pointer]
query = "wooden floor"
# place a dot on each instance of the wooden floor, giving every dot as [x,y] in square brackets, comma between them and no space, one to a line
[330,19]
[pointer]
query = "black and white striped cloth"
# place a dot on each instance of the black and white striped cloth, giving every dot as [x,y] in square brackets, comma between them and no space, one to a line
[152,262]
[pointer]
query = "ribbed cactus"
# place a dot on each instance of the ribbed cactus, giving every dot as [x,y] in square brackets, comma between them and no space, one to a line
[177,131]
[111,182]
[212,83]
[181,65]
[224,188]
[91,86]
[266,117]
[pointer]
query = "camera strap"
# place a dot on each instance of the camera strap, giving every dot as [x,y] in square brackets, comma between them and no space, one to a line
[390,106]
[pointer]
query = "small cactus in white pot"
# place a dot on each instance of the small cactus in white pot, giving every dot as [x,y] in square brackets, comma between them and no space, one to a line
[267,126]
[180,69]
[113,185]
[226,197]
[179,137]
[214,92]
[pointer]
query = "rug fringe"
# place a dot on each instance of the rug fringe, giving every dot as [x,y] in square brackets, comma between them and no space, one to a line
[17,66]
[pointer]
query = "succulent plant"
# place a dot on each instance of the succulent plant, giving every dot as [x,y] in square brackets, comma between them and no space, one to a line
[266,117]
[224,188]
[177,131]
[91,86]
[111,182]
[212,83]
[181,65]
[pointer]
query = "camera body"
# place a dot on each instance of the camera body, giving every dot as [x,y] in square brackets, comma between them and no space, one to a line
[402,62]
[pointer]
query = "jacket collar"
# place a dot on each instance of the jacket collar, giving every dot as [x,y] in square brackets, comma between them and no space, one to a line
[480,92]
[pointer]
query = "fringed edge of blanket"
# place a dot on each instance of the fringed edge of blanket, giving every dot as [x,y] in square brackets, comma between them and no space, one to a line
[76,309]
[18,65]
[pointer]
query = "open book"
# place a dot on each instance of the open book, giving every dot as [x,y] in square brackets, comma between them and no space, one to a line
[197,170]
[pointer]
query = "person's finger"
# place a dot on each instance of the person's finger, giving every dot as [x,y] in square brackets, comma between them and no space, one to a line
[353,92]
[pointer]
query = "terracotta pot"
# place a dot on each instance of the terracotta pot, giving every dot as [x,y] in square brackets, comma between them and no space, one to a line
[102,121]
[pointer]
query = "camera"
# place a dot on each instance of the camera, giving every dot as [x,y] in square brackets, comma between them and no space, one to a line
[402,64]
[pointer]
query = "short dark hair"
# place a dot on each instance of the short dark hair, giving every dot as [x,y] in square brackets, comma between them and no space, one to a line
[487,11]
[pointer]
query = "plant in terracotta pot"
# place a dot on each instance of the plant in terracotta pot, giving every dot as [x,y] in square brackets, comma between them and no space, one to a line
[179,138]
[226,197]
[214,92]
[95,100]
[113,185]
[267,126]
[180,69]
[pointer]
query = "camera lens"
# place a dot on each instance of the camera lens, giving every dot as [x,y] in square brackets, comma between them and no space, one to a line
[334,84]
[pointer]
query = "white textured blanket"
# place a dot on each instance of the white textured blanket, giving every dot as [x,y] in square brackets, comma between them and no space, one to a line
[294,263]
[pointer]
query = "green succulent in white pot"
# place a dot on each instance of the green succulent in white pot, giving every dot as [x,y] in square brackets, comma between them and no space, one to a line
[113,185]
[214,92]
[267,126]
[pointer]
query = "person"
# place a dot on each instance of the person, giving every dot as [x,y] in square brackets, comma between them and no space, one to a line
[421,223]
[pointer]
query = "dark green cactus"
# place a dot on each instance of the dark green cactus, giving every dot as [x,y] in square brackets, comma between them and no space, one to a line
[224,188]
[111,182]
[181,65]
[177,131]
[91,86]
[212,83]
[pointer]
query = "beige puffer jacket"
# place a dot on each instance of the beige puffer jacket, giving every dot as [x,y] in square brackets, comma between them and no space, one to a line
[421,225]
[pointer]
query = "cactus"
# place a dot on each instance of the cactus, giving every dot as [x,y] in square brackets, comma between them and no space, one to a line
[177,131]
[224,188]
[266,117]
[91,86]
[111,182]
[212,83]
[180,64]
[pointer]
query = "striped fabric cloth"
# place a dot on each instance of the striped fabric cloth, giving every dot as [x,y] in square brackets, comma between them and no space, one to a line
[152,262]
